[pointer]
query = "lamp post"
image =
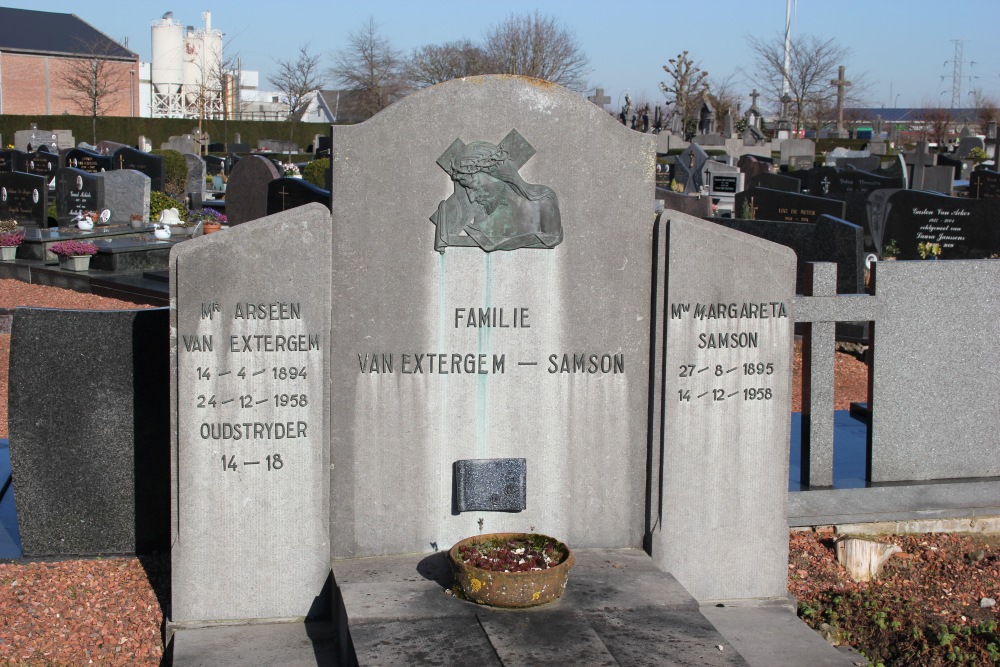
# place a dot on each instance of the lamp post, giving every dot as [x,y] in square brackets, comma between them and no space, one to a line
[895,102]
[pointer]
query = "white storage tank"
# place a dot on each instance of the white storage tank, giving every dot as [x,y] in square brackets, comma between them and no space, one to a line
[167,67]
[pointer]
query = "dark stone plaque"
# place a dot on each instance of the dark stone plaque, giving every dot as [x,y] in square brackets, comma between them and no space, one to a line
[491,485]
[77,191]
[947,227]
[149,164]
[494,207]
[24,197]
[286,193]
[84,160]
[768,204]
[724,184]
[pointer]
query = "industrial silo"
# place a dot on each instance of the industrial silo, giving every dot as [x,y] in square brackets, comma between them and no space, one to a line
[202,75]
[167,67]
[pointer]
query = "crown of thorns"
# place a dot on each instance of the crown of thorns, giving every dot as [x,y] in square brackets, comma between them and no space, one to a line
[478,161]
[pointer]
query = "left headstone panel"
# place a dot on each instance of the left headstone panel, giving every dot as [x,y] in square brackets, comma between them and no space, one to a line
[250,327]
[88,430]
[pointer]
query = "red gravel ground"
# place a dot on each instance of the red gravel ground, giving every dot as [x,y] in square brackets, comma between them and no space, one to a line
[111,611]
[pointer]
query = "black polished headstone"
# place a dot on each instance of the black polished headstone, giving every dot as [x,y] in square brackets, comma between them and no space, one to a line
[90,430]
[24,197]
[491,485]
[41,163]
[964,228]
[149,164]
[696,205]
[984,184]
[77,191]
[84,160]
[833,182]
[11,160]
[214,164]
[286,193]
[766,204]
[246,192]
[776,182]
[826,240]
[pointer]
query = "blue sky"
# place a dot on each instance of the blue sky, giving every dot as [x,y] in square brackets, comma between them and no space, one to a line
[905,47]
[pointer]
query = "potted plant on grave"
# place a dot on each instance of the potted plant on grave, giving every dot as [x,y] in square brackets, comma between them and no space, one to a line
[210,219]
[74,255]
[9,242]
[513,570]
[290,170]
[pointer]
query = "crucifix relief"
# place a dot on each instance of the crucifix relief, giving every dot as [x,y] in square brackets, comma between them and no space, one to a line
[492,207]
[841,84]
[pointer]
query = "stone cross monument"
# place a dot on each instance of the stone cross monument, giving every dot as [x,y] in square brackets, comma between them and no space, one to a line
[841,84]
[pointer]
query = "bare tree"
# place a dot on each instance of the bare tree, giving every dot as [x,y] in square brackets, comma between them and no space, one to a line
[936,123]
[371,68]
[536,45]
[687,84]
[812,65]
[297,79]
[434,63]
[987,109]
[724,95]
[94,80]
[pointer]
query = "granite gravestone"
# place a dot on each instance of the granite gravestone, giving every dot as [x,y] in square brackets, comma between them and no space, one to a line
[946,227]
[798,153]
[108,148]
[25,198]
[195,184]
[11,160]
[765,204]
[777,182]
[984,184]
[77,191]
[214,165]
[147,163]
[251,428]
[84,160]
[727,392]
[689,167]
[246,192]
[484,353]
[286,193]
[942,315]
[696,205]
[89,425]
[126,193]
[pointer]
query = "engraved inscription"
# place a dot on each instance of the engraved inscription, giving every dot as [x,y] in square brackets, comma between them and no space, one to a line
[713,378]
[254,393]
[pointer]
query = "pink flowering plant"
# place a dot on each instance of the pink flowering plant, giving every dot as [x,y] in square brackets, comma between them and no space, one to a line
[73,248]
[11,240]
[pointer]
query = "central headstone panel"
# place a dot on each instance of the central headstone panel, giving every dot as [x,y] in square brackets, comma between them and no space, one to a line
[491,273]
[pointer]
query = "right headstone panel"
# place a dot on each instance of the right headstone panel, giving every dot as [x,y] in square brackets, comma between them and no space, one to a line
[722,529]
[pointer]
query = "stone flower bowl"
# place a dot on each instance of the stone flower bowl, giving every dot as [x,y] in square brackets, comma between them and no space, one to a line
[498,588]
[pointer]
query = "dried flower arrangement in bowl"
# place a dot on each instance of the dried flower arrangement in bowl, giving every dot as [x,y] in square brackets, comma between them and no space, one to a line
[511,569]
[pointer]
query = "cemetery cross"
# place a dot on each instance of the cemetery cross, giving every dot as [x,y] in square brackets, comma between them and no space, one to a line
[599,98]
[841,84]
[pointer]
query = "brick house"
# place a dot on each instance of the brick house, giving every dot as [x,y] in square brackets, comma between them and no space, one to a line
[39,51]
